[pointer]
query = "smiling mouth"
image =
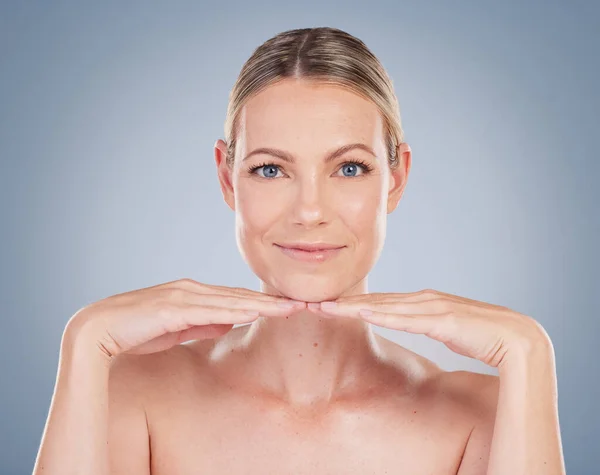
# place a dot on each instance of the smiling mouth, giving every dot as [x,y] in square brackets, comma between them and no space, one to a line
[305,255]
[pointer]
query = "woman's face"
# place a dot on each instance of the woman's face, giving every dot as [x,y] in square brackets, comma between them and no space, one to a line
[309,198]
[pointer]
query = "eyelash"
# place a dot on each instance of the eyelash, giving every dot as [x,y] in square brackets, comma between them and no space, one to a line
[365,166]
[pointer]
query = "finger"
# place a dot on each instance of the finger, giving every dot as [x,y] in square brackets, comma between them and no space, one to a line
[424,324]
[351,308]
[388,299]
[184,316]
[198,312]
[203,332]
[268,306]
[378,297]
[200,288]
[418,296]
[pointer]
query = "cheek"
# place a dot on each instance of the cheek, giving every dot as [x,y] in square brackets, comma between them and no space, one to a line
[257,214]
[256,210]
[365,217]
[361,211]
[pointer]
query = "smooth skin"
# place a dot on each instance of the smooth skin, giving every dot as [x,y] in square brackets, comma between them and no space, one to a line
[296,392]
[97,423]
[526,437]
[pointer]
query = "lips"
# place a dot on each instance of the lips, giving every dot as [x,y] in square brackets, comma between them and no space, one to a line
[314,254]
[310,246]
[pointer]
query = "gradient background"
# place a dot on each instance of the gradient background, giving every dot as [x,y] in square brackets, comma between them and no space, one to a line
[109,112]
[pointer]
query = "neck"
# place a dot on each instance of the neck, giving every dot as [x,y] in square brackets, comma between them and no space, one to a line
[306,359]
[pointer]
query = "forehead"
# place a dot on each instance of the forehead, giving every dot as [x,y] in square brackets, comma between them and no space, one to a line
[302,117]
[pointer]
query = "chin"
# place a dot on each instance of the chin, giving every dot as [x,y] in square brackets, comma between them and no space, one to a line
[308,288]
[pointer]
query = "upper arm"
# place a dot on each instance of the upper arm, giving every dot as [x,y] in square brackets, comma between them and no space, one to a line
[128,437]
[477,451]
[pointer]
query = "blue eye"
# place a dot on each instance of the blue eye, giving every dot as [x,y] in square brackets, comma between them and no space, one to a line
[266,166]
[270,169]
[349,166]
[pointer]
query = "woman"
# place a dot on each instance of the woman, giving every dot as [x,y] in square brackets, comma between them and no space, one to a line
[313,158]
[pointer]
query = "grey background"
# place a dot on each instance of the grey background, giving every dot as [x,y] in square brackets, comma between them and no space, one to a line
[108,115]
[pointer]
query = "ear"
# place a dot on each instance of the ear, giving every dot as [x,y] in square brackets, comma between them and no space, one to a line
[399,176]
[224,173]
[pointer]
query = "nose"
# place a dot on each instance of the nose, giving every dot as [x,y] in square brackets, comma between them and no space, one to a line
[311,202]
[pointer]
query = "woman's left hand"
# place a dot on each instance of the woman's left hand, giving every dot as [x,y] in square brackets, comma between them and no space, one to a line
[486,332]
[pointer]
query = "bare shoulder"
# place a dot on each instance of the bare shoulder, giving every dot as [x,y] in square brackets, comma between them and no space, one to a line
[475,394]
[138,368]
[142,391]
[135,381]
[160,373]
[476,391]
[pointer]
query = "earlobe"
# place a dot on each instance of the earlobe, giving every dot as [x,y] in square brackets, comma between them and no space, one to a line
[224,173]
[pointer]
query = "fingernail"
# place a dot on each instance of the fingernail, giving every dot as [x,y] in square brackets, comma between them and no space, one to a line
[313,306]
[286,304]
[365,312]
[253,313]
[328,305]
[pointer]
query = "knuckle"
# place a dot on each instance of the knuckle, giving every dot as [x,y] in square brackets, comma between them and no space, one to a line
[174,294]
[187,281]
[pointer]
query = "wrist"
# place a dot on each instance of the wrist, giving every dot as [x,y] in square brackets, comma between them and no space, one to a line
[532,343]
[537,355]
[80,346]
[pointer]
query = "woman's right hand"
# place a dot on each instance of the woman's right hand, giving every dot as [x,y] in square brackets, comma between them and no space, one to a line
[156,318]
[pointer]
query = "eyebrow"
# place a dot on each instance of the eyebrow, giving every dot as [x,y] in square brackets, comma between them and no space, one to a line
[288,157]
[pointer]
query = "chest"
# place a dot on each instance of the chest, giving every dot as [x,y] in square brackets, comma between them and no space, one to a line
[238,438]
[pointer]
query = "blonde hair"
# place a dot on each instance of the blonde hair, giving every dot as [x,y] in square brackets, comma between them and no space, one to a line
[321,54]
